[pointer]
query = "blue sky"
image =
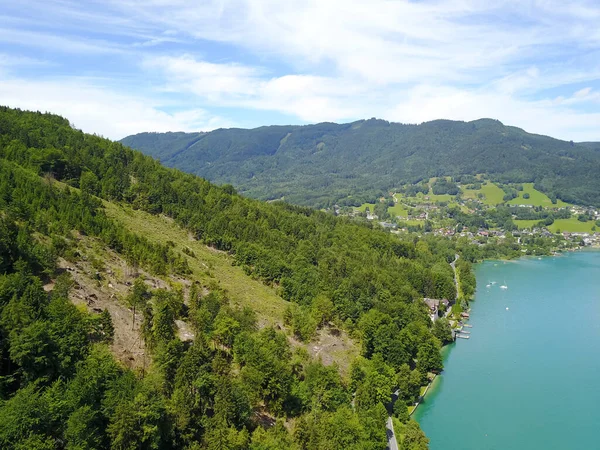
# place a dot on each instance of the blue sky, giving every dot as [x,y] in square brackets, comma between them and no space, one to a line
[117,67]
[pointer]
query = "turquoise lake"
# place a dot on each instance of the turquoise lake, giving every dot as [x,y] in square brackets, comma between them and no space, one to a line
[529,377]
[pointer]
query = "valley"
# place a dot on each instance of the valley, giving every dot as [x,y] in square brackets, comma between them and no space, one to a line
[494,209]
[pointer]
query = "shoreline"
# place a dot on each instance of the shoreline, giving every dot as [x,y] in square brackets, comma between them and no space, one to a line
[468,368]
[422,397]
[435,376]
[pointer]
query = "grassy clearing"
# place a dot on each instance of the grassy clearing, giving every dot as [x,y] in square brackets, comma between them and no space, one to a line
[572,225]
[208,264]
[536,198]
[430,197]
[454,204]
[522,224]
[440,198]
[493,195]
[364,206]
[212,265]
[469,193]
[413,222]
[332,348]
[398,210]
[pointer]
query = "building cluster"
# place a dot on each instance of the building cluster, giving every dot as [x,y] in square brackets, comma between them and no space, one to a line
[588,239]
[423,210]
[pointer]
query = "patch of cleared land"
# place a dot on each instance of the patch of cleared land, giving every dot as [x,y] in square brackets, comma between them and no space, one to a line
[439,197]
[364,206]
[572,225]
[493,195]
[208,264]
[398,209]
[102,281]
[332,346]
[413,222]
[536,198]
[522,224]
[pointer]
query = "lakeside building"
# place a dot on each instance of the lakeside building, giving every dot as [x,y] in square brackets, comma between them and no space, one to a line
[434,306]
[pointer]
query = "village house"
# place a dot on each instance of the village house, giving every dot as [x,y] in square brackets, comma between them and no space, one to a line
[387,225]
[434,306]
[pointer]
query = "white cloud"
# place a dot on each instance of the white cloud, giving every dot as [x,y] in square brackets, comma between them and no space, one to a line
[425,103]
[313,98]
[206,79]
[528,63]
[309,97]
[385,41]
[97,109]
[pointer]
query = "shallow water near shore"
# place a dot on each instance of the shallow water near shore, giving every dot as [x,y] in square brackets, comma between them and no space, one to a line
[528,376]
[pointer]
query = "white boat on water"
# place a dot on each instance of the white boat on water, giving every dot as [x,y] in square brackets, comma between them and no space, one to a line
[504,286]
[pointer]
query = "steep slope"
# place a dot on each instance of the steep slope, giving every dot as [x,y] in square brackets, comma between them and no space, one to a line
[87,220]
[318,165]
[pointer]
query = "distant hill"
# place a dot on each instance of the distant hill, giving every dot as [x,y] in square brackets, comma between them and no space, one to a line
[592,145]
[322,164]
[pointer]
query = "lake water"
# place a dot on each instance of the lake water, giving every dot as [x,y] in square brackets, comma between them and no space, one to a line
[529,377]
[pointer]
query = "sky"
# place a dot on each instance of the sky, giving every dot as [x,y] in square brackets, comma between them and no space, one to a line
[119,67]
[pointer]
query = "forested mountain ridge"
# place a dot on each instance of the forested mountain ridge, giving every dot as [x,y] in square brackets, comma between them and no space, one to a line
[327,163]
[61,388]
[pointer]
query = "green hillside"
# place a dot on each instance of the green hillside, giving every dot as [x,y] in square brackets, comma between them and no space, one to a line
[207,264]
[491,194]
[535,198]
[141,307]
[349,164]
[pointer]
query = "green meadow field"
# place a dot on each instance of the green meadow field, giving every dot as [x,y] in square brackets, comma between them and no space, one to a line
[572,225]
[536,198]
[493,195]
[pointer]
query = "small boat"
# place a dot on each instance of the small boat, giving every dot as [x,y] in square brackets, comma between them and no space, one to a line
[504,286]
[492,282]
[487,285]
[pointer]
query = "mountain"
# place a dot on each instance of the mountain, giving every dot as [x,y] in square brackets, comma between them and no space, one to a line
[143,307]
[592,145]
[319,165]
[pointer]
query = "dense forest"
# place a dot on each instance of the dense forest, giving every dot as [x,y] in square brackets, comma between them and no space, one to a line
[235,385]
[348,164]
